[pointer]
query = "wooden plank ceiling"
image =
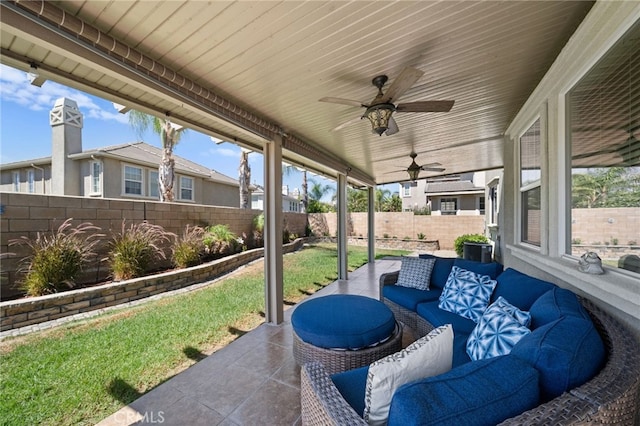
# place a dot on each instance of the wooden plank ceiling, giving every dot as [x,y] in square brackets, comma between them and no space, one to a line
[276,59]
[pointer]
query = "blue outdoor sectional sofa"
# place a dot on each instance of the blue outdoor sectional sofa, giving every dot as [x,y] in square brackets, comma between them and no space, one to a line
[576,365]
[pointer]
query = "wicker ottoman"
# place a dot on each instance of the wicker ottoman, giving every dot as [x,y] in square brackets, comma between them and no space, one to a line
[344,332]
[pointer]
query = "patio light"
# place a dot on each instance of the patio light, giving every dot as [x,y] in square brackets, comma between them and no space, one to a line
[379,116]
[414,171]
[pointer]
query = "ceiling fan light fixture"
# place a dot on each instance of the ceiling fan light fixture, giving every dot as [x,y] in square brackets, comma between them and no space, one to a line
[413,174]
[379,116]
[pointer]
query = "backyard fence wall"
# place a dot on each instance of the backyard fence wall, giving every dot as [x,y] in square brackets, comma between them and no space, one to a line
[28,214]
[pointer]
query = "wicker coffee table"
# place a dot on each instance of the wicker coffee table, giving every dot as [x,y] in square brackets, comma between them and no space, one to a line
[344,332]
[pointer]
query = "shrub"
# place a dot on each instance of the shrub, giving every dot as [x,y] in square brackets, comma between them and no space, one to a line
[458,244]
[133,249]
[385,235]
[219,239]
[55,260]
[188,248]
[258,230]
[421,236]
[422,211]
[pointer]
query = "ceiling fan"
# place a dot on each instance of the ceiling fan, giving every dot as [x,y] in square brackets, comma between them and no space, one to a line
[379,111]
[414,168]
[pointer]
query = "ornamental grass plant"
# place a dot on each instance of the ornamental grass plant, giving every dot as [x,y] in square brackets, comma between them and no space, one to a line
[219,239]
[188,248]
[55,260]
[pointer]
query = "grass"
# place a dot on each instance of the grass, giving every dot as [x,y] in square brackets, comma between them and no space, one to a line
[85,371]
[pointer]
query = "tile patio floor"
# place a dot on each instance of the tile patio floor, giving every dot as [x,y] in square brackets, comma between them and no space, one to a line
[252,381]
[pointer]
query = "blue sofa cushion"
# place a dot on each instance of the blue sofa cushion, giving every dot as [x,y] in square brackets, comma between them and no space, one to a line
[409,297]
[493,269]
[352,385]
[460,355]
[343,321]
[441,270]
[567,352]
[466,293]
[554,304]
[519,289]
[483,392]
[415,272]
[438,317]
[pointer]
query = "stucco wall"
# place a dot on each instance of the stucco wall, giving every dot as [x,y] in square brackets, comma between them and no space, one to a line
[27,214]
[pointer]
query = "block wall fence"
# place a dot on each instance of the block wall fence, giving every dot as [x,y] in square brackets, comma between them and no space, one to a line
[28,214]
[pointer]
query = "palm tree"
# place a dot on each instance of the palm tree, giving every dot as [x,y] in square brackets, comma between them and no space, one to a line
[357,200]
[169,137]
[244,174]
[606,187]
[381,197]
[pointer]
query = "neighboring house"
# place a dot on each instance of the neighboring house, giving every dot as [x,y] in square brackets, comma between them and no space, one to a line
[128,171]
[464,194]
[290,202]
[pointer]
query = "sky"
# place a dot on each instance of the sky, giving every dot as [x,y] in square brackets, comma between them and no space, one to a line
[25,132]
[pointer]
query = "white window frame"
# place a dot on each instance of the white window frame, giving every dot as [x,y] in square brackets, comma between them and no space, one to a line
[150,183]
[15,178]
[124,181]
[31,181]
[181,187]
[448,200]
[96,181]
[482,209]
[526,187]
[406,190]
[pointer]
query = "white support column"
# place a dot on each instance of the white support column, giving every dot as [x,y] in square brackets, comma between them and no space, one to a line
[371,224]
[342,227]
[273,306]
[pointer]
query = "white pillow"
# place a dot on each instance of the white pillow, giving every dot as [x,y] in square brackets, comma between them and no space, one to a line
[428,356]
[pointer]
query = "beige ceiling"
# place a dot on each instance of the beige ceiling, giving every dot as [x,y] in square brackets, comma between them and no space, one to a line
[276,59]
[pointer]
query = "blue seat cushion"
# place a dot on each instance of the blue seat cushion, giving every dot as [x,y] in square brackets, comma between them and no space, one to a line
[441,270]
[409,297]
[519,289]
[492,269]
[341,321]
[483,392]
[554,304]
[567,352]
[460,355]
[438,317]
[352,385]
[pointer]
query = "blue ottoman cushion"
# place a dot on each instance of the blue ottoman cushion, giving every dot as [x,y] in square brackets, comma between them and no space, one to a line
[409,297]
[567,352]
[352,385]
[492,269]
[484,392]
[441,270]
[343,321]
[519,289]
[554,304]
[438,317]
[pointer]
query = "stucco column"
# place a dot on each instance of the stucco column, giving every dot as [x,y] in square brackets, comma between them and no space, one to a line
[371,224]
[273,306]
[342,227]
[66,138]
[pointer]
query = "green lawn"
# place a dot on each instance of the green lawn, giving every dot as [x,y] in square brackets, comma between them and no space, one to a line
[83,372]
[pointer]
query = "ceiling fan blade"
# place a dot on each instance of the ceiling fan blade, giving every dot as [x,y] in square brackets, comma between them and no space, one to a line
[342,101]
[431,165]
[432,169]
[426,106]
[393,127]
[402,83]
[348,123]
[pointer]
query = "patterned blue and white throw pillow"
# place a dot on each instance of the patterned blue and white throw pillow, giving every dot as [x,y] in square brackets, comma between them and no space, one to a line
[415,272]
[496,333]
[466,293]
[523,317]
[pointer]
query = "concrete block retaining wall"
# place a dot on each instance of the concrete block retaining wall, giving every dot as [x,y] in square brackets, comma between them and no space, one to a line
[28,214]
[34,310]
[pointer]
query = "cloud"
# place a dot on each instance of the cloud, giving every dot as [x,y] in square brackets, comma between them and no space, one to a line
[223,152]
[15,87]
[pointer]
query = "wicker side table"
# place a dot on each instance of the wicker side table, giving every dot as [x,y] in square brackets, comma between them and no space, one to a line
[359,330]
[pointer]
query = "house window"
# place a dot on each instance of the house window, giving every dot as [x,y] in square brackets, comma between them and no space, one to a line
[406,190]
[530,174]
[96,177]
[605,157]
[481,204]
[31,180]
[132,180]
[493,204]
[448,206]
[186,188]
[153,184]
[16,181]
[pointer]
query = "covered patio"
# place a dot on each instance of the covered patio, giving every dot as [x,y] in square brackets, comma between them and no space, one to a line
[533,94]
